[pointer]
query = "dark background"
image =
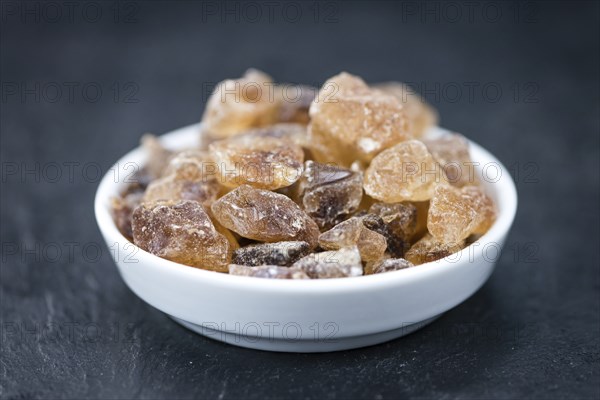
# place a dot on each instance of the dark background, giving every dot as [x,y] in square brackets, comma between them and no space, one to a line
[70,328]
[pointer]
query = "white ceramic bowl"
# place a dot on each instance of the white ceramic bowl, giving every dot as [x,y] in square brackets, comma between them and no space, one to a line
[305,315]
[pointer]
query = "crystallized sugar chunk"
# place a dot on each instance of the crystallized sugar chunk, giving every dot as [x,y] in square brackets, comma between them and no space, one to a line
[430,249]
[262,162]
[455,214]
[353,232]
[420,114]
[294,132]
[181,232]
[452,153]
[405,172]
[264,216]
[350,121]
[329,193]
[279,253]
[241,104]
[189,175]
[388,265]
[399,222]
[331,264]
[267,271]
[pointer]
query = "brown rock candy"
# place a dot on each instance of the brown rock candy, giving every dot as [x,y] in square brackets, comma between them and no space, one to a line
[157,156]
[171,188]
[267,271]
[122,210]
[452,153]
[400,220]
[331,264]
[262,162]
[430,249]
[296,133]
[281,253]
[328,194]
[350,121]
[241,104]
[397,245]
[405,172]
[395,222]
[190,175]
[181,232]
[387,265]
[295,102]
[486,207]
[421,115]
[264,216]
[191,164]
[454,213]
[353,232]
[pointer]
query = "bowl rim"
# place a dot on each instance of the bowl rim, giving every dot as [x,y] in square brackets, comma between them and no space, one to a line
[504,190]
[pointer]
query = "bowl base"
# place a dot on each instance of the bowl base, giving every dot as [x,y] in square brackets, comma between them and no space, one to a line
[303,346]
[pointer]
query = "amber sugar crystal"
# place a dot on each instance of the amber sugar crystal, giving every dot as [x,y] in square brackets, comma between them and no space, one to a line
[405,172]
[294,132]
[452,153]
[387,265]
[350,121]
[189,175]
[420,114]
[237,105]
[328,193]
[264,216]
[280,253]
[182,232]
[352,232]
[455,214]
[267,271]
[430,249]
[340,263]
[122,210]
[398,224]
[263,162]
